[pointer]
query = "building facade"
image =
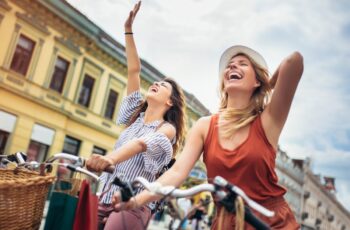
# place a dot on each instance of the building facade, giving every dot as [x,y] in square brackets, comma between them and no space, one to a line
[321,209]
[291,177]
[312,200]
[62,80]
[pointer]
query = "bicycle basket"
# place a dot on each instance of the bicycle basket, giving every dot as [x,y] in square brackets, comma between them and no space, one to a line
[22,198]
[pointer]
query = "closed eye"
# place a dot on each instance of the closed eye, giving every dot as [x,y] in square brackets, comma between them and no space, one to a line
[163,84]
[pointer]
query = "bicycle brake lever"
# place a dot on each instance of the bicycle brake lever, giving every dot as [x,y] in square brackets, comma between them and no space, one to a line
[126,190]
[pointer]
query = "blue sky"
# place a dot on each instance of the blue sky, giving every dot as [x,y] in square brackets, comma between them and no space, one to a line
[185,38]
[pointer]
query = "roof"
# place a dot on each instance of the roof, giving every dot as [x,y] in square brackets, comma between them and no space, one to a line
[111,46]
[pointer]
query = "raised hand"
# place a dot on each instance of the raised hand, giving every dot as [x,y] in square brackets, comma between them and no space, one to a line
[129,21]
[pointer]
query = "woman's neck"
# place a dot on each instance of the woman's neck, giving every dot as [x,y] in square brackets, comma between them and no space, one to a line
[153,114]
[238,101]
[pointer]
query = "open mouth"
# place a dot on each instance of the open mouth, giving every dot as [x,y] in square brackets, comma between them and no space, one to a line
[234,76]
[154,89]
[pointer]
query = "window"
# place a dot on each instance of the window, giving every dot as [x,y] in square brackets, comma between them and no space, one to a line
[59,74]
[3,140]
[37,151]
[41,140]
[23,54]
[7,125]
[71,145]
[111,103]
[86,91]
[98,150]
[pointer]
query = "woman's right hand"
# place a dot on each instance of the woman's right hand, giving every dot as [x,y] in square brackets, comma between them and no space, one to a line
[129,21]
[98,163]
[119,205]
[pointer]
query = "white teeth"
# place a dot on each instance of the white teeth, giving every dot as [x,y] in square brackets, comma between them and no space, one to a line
[234,76]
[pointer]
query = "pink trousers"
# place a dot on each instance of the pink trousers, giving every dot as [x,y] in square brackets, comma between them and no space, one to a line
[131,219]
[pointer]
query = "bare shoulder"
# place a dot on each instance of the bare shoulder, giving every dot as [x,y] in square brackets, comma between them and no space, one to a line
[204,120]
[202,125]
[168,129]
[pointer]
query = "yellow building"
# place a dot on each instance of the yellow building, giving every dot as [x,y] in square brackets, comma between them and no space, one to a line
[62,79]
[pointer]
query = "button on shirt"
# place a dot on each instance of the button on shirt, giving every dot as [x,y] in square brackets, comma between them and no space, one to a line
[145,164]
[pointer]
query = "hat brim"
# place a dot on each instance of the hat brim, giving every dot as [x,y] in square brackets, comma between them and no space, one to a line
[233,51]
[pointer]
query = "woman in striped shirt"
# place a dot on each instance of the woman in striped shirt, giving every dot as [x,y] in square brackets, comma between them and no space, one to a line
[155,128]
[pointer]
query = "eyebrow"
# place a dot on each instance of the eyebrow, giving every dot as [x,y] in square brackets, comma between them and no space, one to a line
[239,61]
[164,83]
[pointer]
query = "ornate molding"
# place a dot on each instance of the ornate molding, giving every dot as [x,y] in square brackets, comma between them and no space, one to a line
[68,44]
[34,21]
[4,5]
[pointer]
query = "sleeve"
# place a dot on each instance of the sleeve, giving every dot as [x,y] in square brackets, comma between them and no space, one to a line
[128,107]
[159,152]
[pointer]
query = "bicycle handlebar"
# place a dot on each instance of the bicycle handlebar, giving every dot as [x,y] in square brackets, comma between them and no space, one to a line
[157,188]
[77,161]
[216,188]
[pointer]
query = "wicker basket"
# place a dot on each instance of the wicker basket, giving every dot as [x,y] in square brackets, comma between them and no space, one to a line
[22,198]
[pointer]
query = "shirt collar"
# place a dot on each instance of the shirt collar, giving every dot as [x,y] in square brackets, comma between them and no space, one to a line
[151,124]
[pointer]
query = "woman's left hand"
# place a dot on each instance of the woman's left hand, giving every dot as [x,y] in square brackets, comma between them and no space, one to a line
[129,21]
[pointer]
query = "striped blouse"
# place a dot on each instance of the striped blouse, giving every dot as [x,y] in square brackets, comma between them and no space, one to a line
[146,164]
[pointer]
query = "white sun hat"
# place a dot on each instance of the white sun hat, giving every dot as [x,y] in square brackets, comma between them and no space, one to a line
[233,51]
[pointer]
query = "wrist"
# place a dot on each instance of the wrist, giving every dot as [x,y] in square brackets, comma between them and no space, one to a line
[128,29]
[110,158]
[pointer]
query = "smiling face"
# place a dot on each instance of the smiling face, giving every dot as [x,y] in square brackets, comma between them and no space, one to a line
[160,92]
[240,74]
[243,74]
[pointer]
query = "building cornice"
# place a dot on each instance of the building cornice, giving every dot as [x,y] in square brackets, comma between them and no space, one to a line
[324,191]
[83,33]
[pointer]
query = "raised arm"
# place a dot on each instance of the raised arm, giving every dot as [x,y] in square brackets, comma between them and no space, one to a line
[133,60]
[177,174]
[285,81]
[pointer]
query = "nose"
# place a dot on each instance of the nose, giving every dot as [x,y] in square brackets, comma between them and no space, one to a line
[156,83]
[233,65]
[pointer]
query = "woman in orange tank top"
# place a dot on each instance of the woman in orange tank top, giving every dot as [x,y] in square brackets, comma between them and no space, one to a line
[239,142]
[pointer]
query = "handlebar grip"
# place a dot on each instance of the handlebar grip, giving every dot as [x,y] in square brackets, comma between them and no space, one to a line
[254,220]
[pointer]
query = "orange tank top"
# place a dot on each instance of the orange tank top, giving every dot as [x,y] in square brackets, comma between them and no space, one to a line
[251,166]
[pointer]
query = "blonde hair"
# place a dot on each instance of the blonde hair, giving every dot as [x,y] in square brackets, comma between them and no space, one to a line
[233,119]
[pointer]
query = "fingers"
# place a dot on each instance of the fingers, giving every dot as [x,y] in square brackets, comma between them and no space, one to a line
[132,15]
[116,198]
[119,205]
[98,163]
[136,8]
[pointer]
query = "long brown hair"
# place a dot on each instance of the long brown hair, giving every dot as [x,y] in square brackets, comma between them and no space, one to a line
[233,119]
[175,114]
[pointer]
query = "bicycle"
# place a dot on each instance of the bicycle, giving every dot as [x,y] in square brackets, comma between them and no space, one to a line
[224,192]
[18,203]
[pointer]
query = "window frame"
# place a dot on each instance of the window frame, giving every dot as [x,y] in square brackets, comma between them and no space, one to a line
[29,60]
[95,72]
[72,138]
[66,74]
[115,84]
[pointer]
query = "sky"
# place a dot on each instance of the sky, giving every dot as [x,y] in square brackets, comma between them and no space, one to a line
[184,39]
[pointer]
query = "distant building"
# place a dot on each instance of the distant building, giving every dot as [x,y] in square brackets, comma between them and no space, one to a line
[62,79]
[290,176]
[312,201]
[321,209]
